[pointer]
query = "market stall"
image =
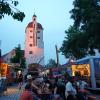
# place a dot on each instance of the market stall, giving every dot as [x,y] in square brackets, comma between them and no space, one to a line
[88,67]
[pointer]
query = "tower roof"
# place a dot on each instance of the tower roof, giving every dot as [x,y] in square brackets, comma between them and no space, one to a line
[34,15]
[30,25]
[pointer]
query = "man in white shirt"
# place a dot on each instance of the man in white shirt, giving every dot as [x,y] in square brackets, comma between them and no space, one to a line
[82,85]
[70,89]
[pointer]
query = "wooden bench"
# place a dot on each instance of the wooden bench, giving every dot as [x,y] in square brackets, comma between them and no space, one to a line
[85,92]
[91,97]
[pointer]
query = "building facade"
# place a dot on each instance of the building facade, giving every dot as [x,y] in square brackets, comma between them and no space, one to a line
[34,45]
[7,57]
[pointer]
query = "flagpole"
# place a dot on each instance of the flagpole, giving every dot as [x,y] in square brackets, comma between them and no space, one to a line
[57,55]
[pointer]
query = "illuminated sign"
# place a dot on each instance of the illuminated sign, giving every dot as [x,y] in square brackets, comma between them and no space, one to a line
[3,69]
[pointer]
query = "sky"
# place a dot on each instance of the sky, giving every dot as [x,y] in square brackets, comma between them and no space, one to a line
[53,15]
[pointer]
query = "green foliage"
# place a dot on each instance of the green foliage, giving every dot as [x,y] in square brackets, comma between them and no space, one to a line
[19,57]
[51,63]
[7,7]
[84,36]
[18,54]
[86,15]
[23,64]
[73,44]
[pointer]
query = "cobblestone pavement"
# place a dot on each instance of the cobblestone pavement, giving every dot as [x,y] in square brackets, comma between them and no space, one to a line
[12,93]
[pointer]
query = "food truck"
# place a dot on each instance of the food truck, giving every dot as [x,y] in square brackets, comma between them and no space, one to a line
[88,67]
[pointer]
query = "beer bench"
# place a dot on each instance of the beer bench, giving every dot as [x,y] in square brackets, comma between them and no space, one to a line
[91,97]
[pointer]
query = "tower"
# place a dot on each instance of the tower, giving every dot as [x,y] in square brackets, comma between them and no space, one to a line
[34,45]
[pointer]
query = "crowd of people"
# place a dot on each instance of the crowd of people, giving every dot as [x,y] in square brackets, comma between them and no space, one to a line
[44,88]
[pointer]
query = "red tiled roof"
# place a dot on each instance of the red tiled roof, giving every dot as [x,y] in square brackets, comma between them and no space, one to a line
[39,26]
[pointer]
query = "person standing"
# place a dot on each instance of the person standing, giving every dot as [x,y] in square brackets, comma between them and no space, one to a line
[81,92]
[30,80]
[27,94]
[34,87]
[82,84]
[20,79]
[70,91]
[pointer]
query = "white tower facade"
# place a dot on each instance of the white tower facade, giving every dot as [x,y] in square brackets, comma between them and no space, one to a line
[34,45]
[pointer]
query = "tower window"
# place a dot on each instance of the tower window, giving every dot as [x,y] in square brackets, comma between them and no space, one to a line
[34,19]
[30,52]
[34,26]
[38,37]
[30,45]
[31,37]
[31,31]
[38,31]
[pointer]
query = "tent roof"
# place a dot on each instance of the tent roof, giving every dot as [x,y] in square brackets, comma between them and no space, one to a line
[86,59]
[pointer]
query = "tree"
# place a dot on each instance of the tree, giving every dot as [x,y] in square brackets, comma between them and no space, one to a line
[84,35]
[73,44]
[51,63]
[19,57]
[86,16]
[8,7]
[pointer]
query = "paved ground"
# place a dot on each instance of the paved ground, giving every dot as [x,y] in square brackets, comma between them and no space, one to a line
[13,93]
[97,96]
